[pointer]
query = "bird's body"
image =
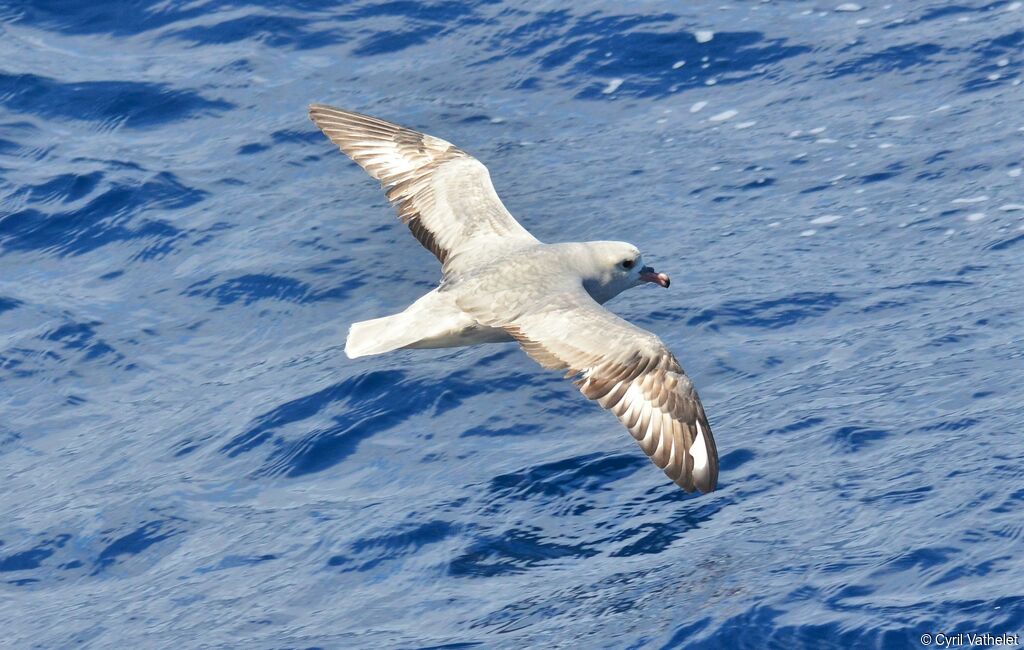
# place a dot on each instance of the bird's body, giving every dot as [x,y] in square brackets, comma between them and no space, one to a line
[437,320]
[500,284]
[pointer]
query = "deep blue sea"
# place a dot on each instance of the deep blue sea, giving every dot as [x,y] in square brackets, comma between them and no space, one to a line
[189,460]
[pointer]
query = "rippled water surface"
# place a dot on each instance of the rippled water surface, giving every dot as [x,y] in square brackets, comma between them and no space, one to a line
[189,459]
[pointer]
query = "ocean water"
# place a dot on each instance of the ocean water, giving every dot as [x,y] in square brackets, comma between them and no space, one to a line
[189,460]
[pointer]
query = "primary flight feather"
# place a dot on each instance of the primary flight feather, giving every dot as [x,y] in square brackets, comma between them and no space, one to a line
[500,283]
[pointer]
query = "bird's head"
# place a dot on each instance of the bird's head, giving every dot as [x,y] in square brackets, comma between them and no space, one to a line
[616,266]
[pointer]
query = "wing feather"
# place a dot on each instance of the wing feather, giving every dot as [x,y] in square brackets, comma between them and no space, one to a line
[630,372]
[442,194]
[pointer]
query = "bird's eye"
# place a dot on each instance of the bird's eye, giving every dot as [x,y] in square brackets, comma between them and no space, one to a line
[628,264]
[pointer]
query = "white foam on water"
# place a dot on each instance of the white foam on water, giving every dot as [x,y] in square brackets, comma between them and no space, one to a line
[745,125]
[678,64]
[976,216]
[1002,63]
[970,199]
[900,118]
[826,218]
[1014,173]
[1014,6]
[1012,207]
[995,76]
[816,130]
[808,233]
[612,86]
[849,6]
[697,106]
[826,141]
[886,145]
[704,35]
[724,115]
[863,21]
[944,107]
[710,82]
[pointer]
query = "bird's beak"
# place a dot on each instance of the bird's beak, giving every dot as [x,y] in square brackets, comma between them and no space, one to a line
[647,274]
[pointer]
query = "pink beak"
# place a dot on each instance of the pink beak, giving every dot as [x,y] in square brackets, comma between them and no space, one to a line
[647,274]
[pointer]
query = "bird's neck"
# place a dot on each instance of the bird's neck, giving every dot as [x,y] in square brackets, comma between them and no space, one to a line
[600,291]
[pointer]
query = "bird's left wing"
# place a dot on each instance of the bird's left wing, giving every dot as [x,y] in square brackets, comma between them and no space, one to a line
[442,193]
[628,371]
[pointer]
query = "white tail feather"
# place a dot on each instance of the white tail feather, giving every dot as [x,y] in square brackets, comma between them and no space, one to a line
[377,336]
[433,321]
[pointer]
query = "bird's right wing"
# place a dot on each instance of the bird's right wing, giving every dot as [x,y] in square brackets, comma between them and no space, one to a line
[442,193]
[628,371]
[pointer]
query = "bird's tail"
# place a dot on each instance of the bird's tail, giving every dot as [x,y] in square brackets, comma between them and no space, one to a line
[433,321]
[378,336]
